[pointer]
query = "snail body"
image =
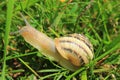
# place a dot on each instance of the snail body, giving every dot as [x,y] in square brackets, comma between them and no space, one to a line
[71,52]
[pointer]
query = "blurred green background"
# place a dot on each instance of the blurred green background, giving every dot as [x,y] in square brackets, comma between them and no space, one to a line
[99,20]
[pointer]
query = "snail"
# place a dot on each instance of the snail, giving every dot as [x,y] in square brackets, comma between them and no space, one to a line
[70,51]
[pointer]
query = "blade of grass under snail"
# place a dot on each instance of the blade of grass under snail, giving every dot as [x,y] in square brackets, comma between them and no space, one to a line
[48,76]
[75,73]
[59,76]
[10,6]
[50,70]
[58,73]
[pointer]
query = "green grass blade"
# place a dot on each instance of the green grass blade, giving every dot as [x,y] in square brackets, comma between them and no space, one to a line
[10,6]
[75,73]
[114,45]
[84,75]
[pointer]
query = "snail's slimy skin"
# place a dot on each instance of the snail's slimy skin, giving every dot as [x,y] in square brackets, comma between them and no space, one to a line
[46,45]
[38,40]
[71,52]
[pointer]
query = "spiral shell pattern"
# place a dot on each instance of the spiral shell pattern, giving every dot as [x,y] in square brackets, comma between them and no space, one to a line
[76,48]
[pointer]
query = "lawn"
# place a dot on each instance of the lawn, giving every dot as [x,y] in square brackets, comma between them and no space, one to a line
[98,20]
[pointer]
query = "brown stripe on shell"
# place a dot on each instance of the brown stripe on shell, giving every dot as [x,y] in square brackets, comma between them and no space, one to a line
[82,38]
[63,41]
[76,54]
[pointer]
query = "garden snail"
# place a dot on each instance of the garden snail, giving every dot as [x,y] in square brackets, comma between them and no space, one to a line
[71,52]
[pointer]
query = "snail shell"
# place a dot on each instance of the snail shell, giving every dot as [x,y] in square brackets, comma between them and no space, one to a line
[76,48]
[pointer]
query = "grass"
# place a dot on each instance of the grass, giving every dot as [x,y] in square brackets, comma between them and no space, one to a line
[98,20]
[7,30]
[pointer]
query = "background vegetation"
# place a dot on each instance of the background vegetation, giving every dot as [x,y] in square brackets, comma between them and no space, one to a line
[99,20]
